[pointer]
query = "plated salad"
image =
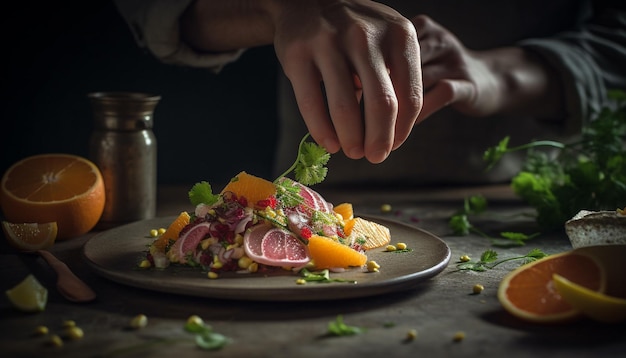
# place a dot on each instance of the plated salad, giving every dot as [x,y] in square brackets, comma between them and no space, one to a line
[254,224]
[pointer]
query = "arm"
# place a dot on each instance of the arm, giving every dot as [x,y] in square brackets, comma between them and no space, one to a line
[564,77]
[348,46]
[482,83]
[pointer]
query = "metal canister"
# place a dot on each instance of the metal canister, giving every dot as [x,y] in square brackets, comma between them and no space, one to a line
[124,148]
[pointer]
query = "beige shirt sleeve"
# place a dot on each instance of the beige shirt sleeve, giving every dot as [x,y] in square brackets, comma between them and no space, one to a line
[155,26]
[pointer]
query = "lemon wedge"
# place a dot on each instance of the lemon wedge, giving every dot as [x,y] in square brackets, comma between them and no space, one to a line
[28,295]
[595,305]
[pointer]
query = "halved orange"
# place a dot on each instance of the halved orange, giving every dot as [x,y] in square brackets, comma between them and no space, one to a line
[250,187]
[528,292]
[172,231]
[328,253]
[30,236]
[61,188]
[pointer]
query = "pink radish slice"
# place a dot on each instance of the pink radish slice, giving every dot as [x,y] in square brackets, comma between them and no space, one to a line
[187,244]
[272,246]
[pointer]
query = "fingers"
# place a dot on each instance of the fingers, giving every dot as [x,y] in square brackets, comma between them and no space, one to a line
[445,93]
[306,82]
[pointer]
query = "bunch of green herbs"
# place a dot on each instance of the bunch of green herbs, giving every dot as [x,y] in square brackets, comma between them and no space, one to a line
[589,173]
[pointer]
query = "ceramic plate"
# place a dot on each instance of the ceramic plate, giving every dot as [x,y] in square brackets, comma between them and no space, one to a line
[115,254]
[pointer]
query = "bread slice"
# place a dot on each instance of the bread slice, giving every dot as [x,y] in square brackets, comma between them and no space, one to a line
[375,235]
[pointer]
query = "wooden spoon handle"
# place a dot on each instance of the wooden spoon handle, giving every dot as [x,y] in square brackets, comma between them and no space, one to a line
[68,284]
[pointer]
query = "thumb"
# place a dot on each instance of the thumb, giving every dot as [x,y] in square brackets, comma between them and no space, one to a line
[445,93]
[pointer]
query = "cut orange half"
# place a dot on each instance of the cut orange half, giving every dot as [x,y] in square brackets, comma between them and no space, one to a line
[61,188]
[528,292]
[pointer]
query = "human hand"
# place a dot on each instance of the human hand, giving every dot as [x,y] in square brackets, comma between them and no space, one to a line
[452,74]
[351,47]
[482,83]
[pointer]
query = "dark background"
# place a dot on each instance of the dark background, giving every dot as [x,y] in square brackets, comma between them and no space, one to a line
[58,52]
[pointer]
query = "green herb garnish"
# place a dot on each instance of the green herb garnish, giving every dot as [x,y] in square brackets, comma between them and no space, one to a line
[339,328]
[488,260]
[310,165]
[206,338]
[322,276]
[201,193]
[587,174]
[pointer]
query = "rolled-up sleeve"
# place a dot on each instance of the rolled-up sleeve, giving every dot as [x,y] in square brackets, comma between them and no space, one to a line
[590,61]
[155,26]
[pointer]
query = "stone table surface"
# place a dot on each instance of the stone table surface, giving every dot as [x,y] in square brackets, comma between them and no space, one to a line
[437,309]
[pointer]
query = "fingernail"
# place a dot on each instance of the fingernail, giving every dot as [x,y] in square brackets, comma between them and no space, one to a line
[355,153]
[379,156]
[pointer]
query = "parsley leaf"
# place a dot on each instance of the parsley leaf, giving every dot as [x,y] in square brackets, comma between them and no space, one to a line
[488,260]
[339,328]
[310,164]
[201,193]
[206,337]
[589,173]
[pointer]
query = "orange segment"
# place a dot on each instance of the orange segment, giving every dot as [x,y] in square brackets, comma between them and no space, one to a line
[345,210]
[328,253]
[528,292]
[348,225]
[250,187]
[172,231]
[30,236]
[61,188]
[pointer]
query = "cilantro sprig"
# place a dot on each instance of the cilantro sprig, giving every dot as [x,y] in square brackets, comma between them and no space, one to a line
[589,173]
[488,260]
[201,193]
[310,164]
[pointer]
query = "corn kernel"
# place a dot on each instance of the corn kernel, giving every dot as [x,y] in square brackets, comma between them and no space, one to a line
[195,320]
[212,275]
[253,267]
[239,239]
[373,266]
[385,208]
[154,233]
[464,258]
[68,323]
[390,248]
[301,281]
[41,330]
[139,321]
[478,288]
[145,264]
[411,334]
[55,341]
[161,231]
[244,262]
[74,333]
[401,246]
[458,336]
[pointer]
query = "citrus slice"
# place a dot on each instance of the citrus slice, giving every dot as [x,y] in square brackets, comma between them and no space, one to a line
[345,210]
[30,236]
[61,188]
[28,295]
[328,253]
[528,292]
[187,243]
[593,304]
[253,188]
[172,232]
[272,246]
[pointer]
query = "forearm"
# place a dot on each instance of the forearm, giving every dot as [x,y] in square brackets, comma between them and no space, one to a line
[529,85]
[218,26]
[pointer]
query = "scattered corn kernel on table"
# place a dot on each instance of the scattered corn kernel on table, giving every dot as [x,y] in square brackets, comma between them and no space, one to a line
[441,316]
